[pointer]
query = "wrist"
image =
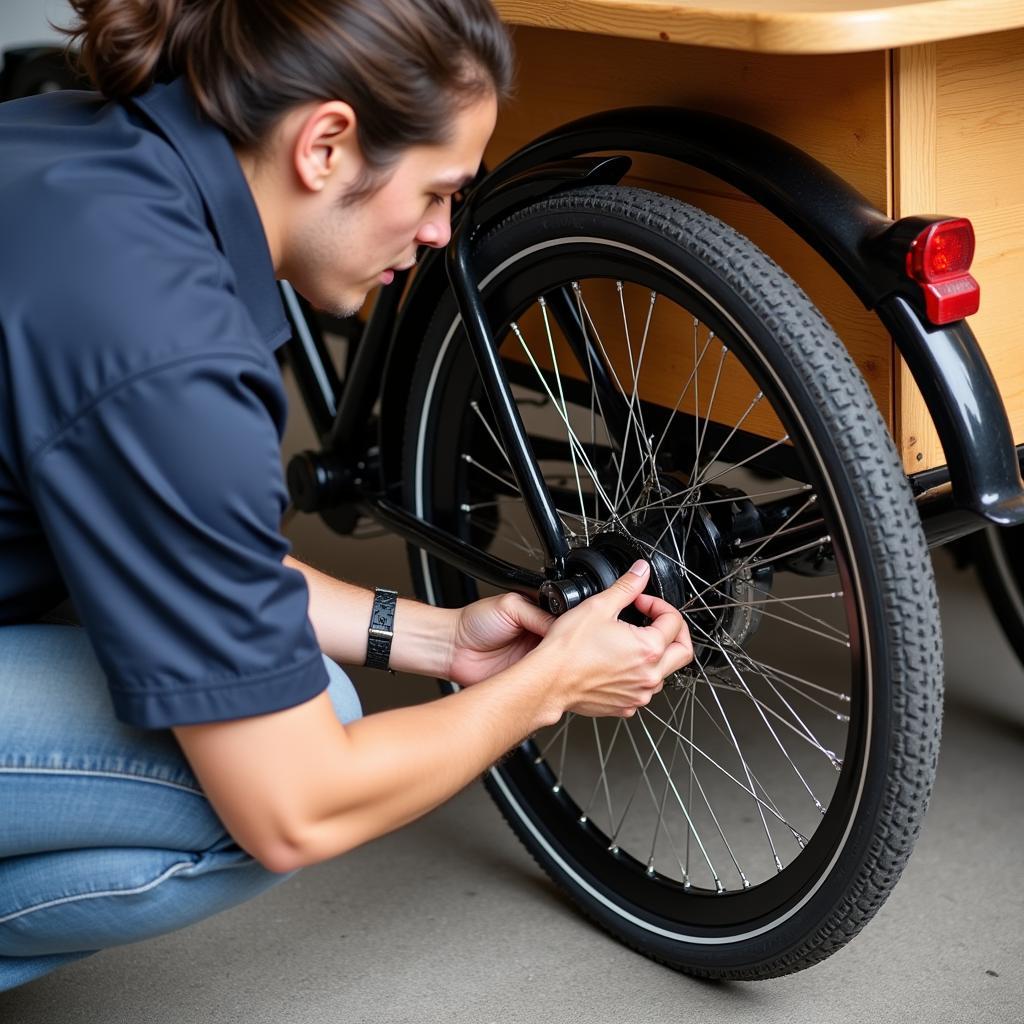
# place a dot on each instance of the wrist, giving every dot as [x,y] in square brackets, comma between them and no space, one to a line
[424,638]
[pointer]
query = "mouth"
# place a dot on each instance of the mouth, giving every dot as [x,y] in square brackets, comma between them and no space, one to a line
[388,275]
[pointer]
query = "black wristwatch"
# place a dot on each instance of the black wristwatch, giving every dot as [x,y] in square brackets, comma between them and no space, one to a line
[382,628]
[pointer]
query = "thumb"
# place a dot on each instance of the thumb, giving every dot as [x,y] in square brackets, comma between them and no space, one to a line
[533,618]
[630,584]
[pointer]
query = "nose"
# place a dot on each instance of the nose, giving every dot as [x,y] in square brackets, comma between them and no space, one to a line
[437,231]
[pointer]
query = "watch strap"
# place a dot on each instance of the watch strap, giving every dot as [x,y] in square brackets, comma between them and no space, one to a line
[382,628]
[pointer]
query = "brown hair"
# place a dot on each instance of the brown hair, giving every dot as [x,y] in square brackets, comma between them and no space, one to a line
[405,66]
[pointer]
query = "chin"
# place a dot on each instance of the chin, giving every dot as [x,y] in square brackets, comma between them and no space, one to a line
[340,307]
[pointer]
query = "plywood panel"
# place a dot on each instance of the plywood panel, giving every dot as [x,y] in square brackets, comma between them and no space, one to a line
[774,26]
[980,175]
[914,192]
[837,109]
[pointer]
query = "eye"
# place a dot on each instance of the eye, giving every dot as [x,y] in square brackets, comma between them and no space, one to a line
[438,200]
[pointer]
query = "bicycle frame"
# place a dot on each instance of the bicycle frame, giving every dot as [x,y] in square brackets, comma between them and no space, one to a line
[981,484]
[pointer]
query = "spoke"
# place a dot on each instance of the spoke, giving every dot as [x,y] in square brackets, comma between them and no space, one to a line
[686,386]
[675,792]
[697,484]
[650,791]
[775,736]
[773,600]
[643,773]
[573,439]
[466,457]
[738,650]
[524,547]
[553,739]
[788,491]
[565,740]
[714,817]
[762,542]
[475,406]
[661,807]
[725,771]
[755,565]
[790,602]
[694,475]
[809,629]
[770,803]
[746,768]
[806,736]
[778,672]
[565,411]
[611,369]
[603,777]
[732,433]
[635,407]
[704,481]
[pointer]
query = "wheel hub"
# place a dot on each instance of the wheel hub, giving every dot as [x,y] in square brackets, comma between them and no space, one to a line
[700,561]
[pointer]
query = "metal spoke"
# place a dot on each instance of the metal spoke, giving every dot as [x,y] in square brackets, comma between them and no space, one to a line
[682,806]
[603,777]
[573,439]
[565,410]
[725,771]
[643,773]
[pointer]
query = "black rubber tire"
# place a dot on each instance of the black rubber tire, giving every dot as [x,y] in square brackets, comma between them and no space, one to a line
[902,717]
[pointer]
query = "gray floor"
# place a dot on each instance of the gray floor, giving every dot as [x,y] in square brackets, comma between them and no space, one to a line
[450,920]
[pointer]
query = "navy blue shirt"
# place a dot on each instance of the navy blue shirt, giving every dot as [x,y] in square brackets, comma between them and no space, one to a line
[141,407]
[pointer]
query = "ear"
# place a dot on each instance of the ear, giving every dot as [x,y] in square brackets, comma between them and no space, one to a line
[326,147]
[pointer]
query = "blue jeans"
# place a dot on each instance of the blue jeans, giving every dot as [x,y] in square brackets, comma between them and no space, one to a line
[105,834]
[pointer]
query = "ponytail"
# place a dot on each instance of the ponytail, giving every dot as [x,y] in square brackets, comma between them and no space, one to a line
[123,43]
[404,65]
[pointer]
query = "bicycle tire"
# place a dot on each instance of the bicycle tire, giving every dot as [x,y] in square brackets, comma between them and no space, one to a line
[845,868]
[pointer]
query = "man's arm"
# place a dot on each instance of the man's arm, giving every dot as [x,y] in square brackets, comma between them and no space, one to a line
[340,614]
[294,787]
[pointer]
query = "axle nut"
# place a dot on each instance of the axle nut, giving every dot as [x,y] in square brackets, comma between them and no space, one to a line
[558,596]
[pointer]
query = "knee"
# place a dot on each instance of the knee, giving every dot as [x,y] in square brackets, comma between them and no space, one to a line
[342,693]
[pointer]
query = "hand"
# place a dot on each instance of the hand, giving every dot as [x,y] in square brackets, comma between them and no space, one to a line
[492,634]
[601,665]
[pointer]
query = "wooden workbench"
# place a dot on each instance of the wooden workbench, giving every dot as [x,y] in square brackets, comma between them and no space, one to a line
[917,103]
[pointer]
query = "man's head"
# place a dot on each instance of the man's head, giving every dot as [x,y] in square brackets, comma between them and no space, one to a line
[334,238]
[354,120]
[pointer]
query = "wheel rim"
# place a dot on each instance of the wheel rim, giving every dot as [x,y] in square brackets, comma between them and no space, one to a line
[702,872]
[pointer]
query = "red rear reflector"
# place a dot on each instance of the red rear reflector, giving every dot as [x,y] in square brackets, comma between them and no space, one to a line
[952,299]
[939,260]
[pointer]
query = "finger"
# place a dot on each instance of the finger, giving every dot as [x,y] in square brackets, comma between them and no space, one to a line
[624,591]
[532,617]
[651,605]
[677,655]
[665,620]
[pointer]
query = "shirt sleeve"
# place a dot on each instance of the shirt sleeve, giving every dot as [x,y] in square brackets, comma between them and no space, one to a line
[162,502]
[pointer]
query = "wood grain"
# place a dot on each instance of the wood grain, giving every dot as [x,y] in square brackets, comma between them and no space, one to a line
[914,133]
[774,26]
[980,175]
[835,108]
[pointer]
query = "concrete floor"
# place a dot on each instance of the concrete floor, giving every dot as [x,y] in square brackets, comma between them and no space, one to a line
[451,920]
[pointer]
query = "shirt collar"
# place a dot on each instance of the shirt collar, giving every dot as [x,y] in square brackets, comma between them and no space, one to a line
[206,152]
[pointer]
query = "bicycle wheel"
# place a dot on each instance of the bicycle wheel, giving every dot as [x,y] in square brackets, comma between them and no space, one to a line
[998,557]
[752,818]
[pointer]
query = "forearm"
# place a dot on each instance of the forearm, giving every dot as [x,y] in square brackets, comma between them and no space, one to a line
[398,765]
[340,614]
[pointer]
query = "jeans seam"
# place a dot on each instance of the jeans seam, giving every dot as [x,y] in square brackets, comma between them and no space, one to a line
[167,873]
[125,776]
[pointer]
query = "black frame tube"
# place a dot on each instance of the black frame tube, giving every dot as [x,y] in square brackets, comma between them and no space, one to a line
[503,405]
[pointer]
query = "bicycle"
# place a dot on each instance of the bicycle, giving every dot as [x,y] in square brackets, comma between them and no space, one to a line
[593,373]
[524,448]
